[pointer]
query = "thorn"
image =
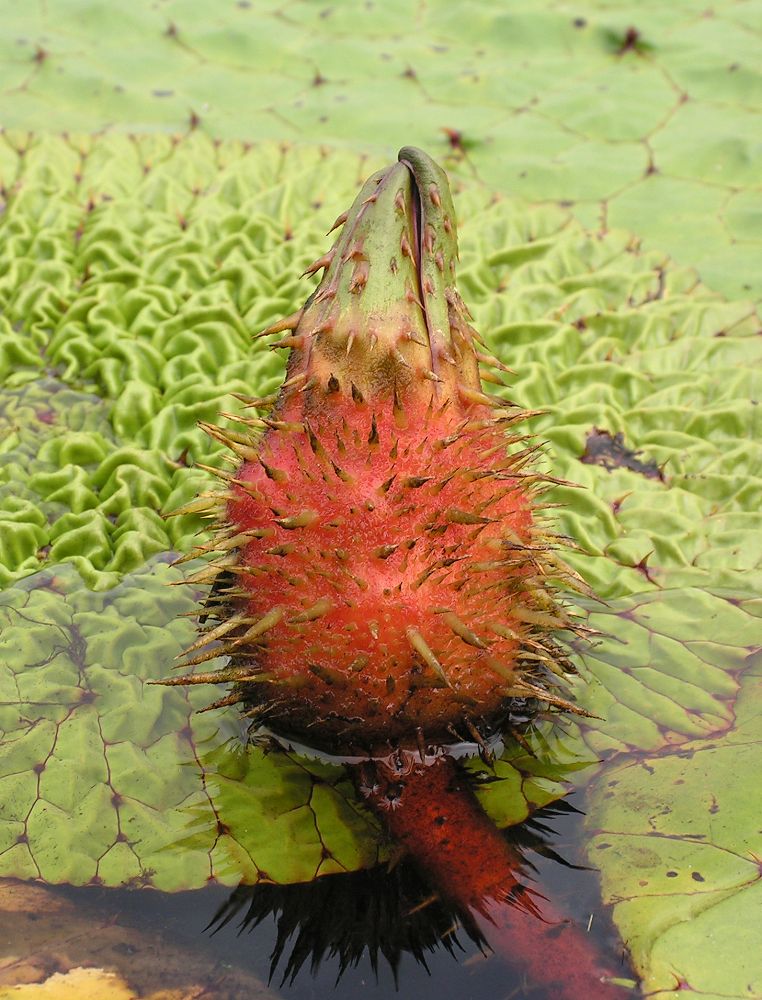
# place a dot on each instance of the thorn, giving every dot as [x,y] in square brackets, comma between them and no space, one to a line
[223,676]
[455,516]
[227,477]
[215,633]
[321,262]
[333,384]
[373,437]
[224,435]
[354,252]
[492,566]
[340,220]
[201,506]
[277,475]
[302,520]
[478,398]
[359,276]
[485,376]
[398,412]
[268,621]
[484,751]
[248,421]
[231,699]
[345,477]
[541,618]
[524,687]
[317,449]
[493,362]
[504,631]
[327,674]
[462,631]
[291,343]
[288,323]
[257,403]
[423,649]
[435,196]
[504,671]
[292,382]
[547,661]
[281,550]
[400,358]
[210,654]
[357,396]
[318,609]
[283,425]
[384,551]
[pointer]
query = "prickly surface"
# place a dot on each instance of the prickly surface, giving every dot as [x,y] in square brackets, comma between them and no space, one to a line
[383,576]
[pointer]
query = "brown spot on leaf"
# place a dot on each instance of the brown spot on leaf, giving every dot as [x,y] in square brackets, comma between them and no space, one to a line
[609,450]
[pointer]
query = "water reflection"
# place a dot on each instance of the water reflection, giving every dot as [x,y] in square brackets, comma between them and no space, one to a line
[386,913]
[454,882]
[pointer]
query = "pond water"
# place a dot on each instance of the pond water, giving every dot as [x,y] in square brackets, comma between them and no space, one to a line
[233,957]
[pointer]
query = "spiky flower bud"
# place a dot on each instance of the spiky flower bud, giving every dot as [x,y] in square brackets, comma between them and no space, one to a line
[383,576]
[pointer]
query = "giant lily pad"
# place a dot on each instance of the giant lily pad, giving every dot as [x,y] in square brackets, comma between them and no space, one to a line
[185,248]
[107,779]
[676,836]
[643,118]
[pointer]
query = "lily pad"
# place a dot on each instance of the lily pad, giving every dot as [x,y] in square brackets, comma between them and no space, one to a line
[107,779]
[640,118]
[676,837]
[186,247]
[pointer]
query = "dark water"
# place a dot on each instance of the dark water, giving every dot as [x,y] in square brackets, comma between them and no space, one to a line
[349,908]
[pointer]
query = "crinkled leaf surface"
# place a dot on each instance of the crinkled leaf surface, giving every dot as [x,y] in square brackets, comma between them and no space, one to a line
[144,291]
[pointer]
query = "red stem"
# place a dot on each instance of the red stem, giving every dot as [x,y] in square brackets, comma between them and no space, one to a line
[430,810]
